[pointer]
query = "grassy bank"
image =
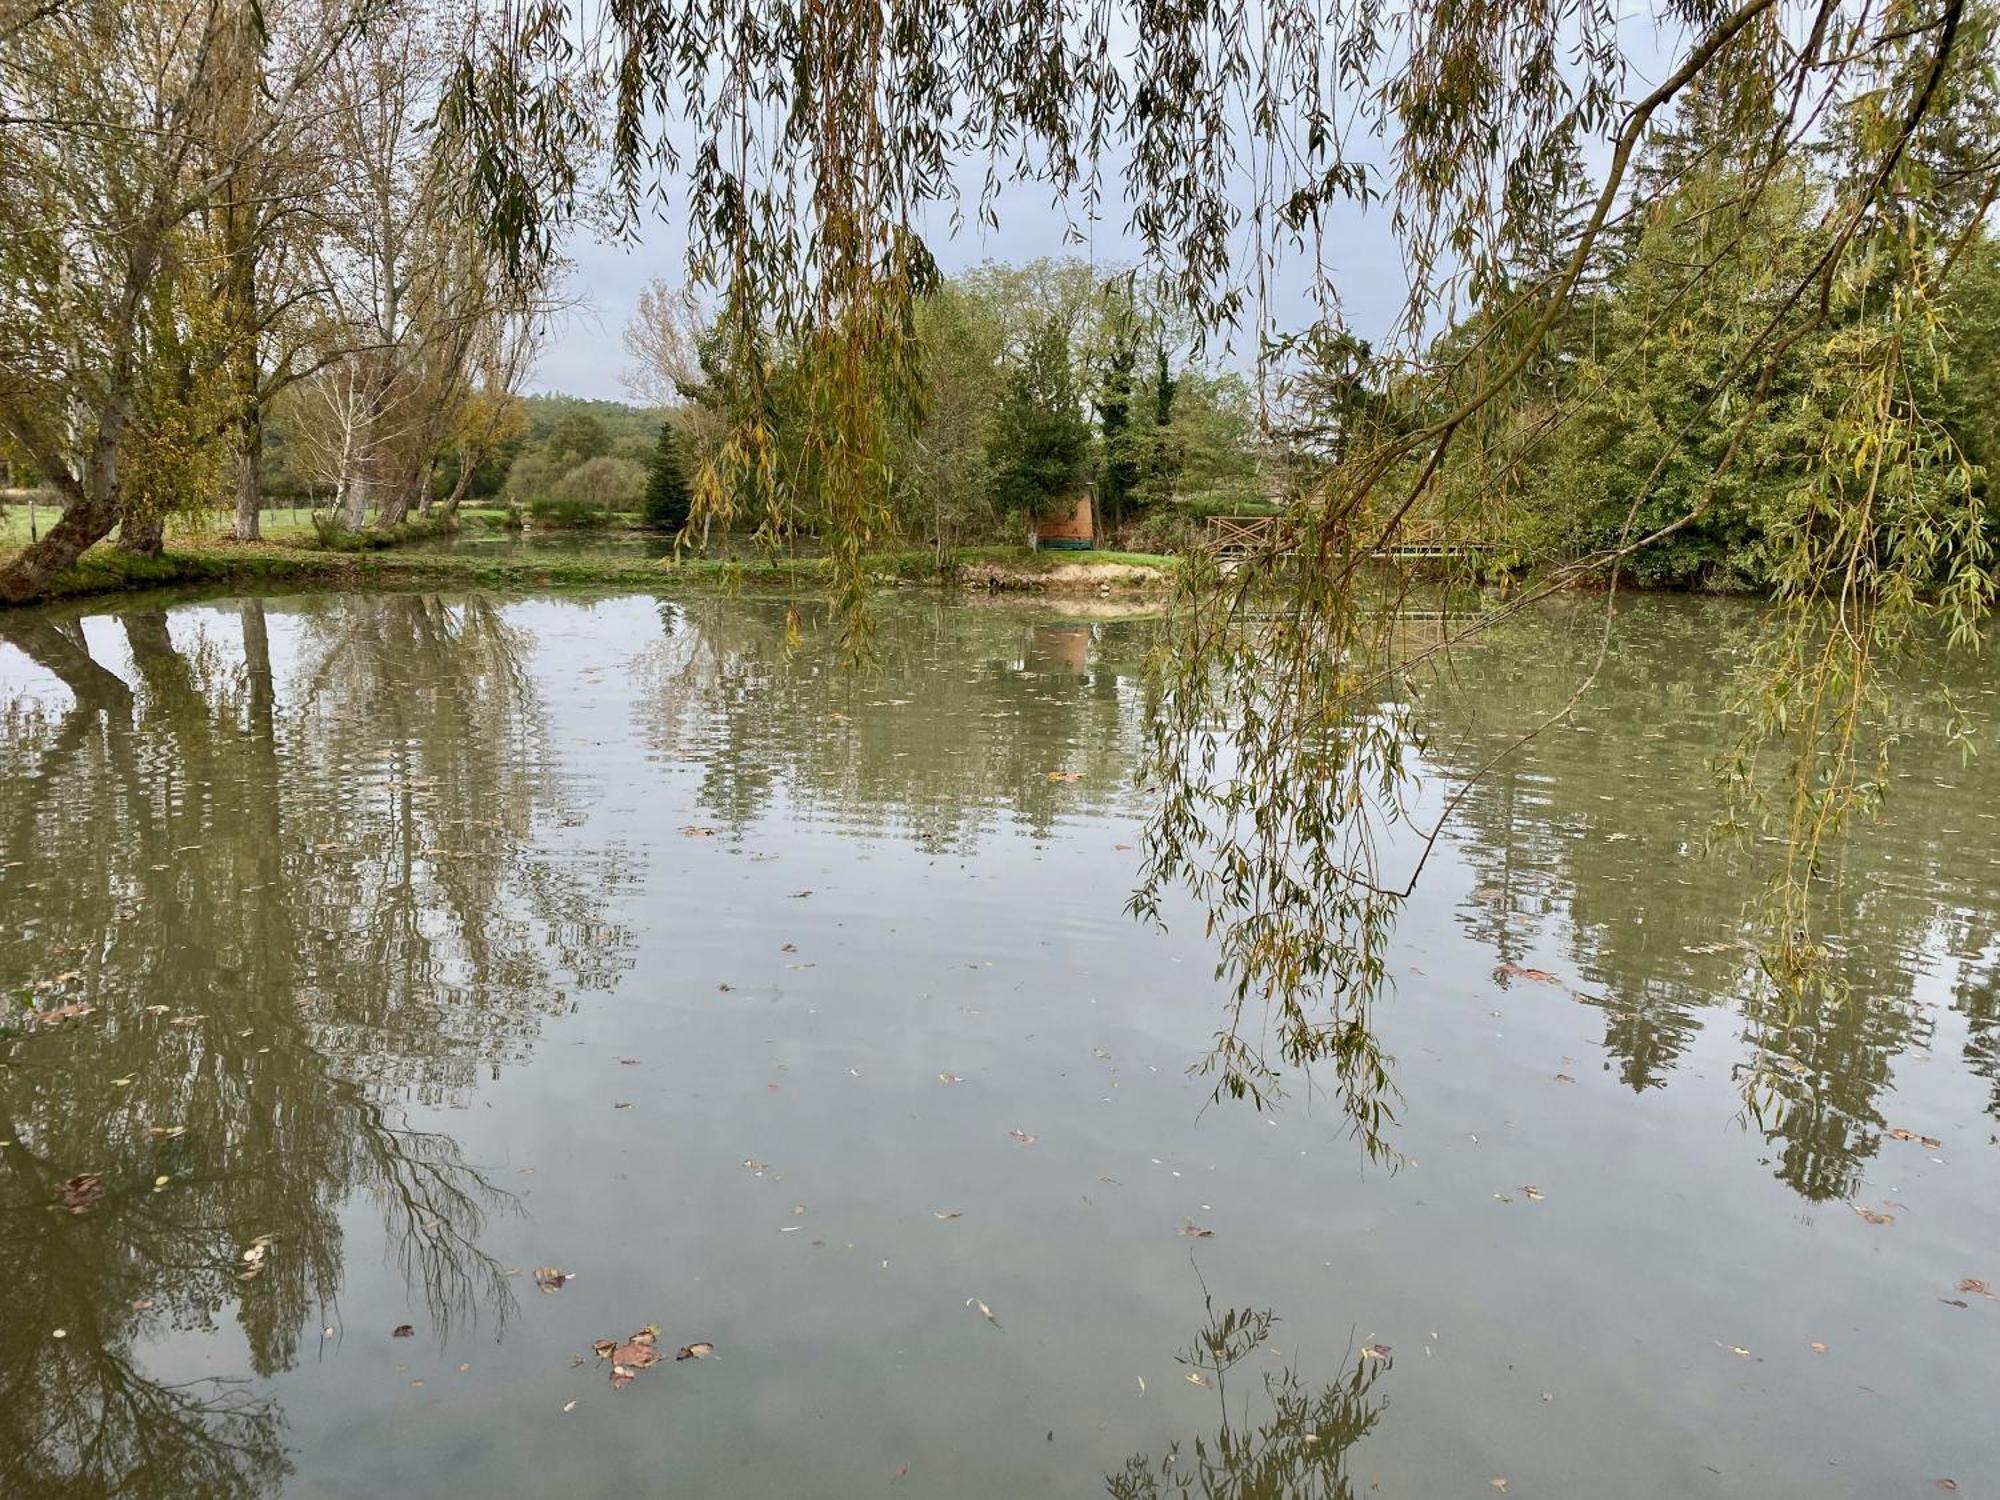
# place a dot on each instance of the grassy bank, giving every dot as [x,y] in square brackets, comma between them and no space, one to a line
[291,563]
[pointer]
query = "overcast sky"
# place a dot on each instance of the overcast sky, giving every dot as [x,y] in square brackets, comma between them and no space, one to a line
[586,358]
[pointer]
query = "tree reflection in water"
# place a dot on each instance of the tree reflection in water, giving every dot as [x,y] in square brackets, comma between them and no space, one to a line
[288,919]
[1288,1441]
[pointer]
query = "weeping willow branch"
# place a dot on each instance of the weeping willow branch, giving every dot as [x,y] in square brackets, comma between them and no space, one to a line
[809,151]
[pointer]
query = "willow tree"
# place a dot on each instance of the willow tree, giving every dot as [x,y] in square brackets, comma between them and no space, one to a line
[811,149]
[123,129]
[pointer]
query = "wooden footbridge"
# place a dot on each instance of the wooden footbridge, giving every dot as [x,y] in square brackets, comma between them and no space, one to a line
[1235,538]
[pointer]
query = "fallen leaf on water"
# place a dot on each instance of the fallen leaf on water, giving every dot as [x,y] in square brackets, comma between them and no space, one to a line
[902,1472]
[1515,971]
[1872,1216]
[1928,1142]
[1497,1483]
[800,895]
[984,1311]
[946,1213]
[1534,1193]
[698,1350]
[569,1406]
[1196,1232]
[753,1164]
[1975,1285]
[64,1013]
[949,1078]
[1564,1078]
[1954,1302]
[1022,1136]
[636,1353]
[549,1279]
[1949,1486]
[402,1331]
[1818,1348]
[81,1191]
[1195,1377]
[623,1104]
[1063,777]
[1142,1383]
[696,831]
[1374,1351]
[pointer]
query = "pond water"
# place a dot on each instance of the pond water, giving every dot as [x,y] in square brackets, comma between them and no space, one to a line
[427,941]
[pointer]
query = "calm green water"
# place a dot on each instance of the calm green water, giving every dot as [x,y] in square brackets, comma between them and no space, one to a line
[431,940]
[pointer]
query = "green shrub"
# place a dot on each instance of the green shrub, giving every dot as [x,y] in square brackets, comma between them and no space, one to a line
[552,514]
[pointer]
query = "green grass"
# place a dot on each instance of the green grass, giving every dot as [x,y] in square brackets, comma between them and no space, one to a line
[1024,560]
[290,555]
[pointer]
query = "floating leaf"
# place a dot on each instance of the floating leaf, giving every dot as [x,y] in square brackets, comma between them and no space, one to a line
[1374,1351]
[1196,1232]
[1515,971]
[1534,1193]
[80,1192]
[1063,778]
[1818,1348]
[946,1213]
[701,1349]
[402,1331]
[1974,1285]
[1949,1486]
[1022,1136]
[1195,1377]
[949,1078]
[1928,1142]
[984,1311]
[549,1279]
[636,1353]
[1872,1216]
[696,831]
[63,1013]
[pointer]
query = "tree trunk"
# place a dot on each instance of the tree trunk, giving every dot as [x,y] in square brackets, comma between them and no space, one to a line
[393,508]
[356,480]
[461,487]
[249,497]
[144,536]
[83,524]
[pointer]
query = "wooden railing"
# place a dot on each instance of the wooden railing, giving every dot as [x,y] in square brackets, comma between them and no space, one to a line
[1233,538]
